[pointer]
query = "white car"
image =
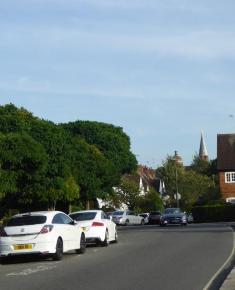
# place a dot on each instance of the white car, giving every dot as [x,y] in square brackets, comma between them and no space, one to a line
[98,227]
[45,232]
[127,217]
[145,215]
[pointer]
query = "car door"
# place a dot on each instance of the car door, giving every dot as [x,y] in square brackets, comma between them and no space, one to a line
[131,216]
[65,229]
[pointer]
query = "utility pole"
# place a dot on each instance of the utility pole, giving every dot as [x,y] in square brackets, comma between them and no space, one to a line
[176,180]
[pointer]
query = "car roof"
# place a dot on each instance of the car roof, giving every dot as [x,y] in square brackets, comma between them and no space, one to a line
[45,213]
[90,210]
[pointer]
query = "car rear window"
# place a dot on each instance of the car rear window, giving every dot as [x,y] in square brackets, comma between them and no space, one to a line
[83,216]
[26,220]
[118,213]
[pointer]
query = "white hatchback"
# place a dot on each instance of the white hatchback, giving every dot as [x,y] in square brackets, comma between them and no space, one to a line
[45,232]
[98,227]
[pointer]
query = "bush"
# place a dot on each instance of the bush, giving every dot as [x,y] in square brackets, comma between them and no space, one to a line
[214,213]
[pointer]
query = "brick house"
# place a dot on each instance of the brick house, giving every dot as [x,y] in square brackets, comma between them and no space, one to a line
[226,165]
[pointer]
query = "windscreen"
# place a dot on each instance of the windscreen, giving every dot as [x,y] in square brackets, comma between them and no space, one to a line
[26,220]
[83,216]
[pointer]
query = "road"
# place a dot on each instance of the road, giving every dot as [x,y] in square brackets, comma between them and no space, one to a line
[146,258]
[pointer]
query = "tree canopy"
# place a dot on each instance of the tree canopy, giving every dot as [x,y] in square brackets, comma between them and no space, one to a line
[43,163]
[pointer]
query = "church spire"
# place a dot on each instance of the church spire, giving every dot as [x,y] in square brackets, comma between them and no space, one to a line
[203,154]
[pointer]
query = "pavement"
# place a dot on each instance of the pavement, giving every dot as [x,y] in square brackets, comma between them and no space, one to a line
[229,283]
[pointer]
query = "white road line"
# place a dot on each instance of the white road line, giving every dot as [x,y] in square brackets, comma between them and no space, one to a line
[208,285]
[30,271]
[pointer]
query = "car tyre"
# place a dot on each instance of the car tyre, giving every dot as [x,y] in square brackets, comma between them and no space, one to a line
[142,222]
[59,250]
[105,242]
[126,222]
[82,245]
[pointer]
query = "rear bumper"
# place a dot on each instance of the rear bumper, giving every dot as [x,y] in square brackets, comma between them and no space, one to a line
[7,248]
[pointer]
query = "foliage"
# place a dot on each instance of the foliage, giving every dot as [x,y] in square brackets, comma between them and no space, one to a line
[91,170]
[23,164]
[214,213]
[151,201]
[192,184]
[128,193]
[42,163]
[110,140]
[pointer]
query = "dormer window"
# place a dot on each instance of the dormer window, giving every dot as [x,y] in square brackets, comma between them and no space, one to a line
[230,177]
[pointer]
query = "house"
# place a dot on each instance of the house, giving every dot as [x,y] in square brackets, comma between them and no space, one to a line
[226,165]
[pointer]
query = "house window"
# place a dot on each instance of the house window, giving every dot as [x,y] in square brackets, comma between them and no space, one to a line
[230,177]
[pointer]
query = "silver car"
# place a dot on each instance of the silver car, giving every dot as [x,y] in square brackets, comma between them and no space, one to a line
[127,217]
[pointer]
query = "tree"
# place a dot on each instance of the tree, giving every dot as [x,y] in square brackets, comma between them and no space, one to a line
[171,172]
[110,140]
[192,184]
[128,193]
[23,163]
[151,201]
[94,173]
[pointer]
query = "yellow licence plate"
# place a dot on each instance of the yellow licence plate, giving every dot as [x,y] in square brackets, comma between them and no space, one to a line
[23,247]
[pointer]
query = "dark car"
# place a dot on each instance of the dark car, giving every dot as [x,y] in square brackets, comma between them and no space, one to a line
[173,216]
[154,217]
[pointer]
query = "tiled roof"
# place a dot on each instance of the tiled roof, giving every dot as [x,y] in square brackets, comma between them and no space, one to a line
[226,151]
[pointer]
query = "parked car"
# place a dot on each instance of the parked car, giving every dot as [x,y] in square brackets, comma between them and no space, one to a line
[51,232]
[127,217]
[98,227]
[154,217]
[173,216]
[145,215]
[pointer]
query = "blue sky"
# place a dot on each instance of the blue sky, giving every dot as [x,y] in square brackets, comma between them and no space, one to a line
[162,69]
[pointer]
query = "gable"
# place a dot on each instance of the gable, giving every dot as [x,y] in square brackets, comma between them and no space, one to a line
[226,152]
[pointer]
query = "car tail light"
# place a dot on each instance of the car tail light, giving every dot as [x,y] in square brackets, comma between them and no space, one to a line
[3,233]
[97,224]
[46,229]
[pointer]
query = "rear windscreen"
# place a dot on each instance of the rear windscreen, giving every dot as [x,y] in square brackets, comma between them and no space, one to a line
[83,216]
[26,220]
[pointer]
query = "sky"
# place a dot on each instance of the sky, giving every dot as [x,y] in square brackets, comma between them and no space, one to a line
[163,70]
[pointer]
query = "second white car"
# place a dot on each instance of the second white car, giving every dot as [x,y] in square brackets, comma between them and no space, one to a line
[98,227]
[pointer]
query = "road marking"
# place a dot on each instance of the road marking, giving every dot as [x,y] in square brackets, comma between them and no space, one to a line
[30,271]
[209,284]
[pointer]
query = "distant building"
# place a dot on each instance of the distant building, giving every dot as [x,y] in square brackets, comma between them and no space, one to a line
[178,159]
[203,154]
[226,165]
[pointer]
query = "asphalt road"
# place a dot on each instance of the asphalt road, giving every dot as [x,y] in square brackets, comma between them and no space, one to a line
[146,258]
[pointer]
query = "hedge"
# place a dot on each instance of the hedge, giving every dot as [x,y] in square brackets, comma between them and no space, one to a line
[214,213]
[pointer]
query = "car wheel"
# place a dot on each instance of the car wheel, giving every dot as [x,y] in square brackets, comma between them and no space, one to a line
[58,250]
[105,242]
[82,245]
[142,222]
[126,222]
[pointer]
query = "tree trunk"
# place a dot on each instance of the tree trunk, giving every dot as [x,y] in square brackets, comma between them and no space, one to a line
[87,204]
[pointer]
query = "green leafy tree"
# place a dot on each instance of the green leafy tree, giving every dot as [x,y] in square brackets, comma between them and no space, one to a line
[110,140]
[23,163]
[192,184]
[151,201]
[128,193]
[94,173]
